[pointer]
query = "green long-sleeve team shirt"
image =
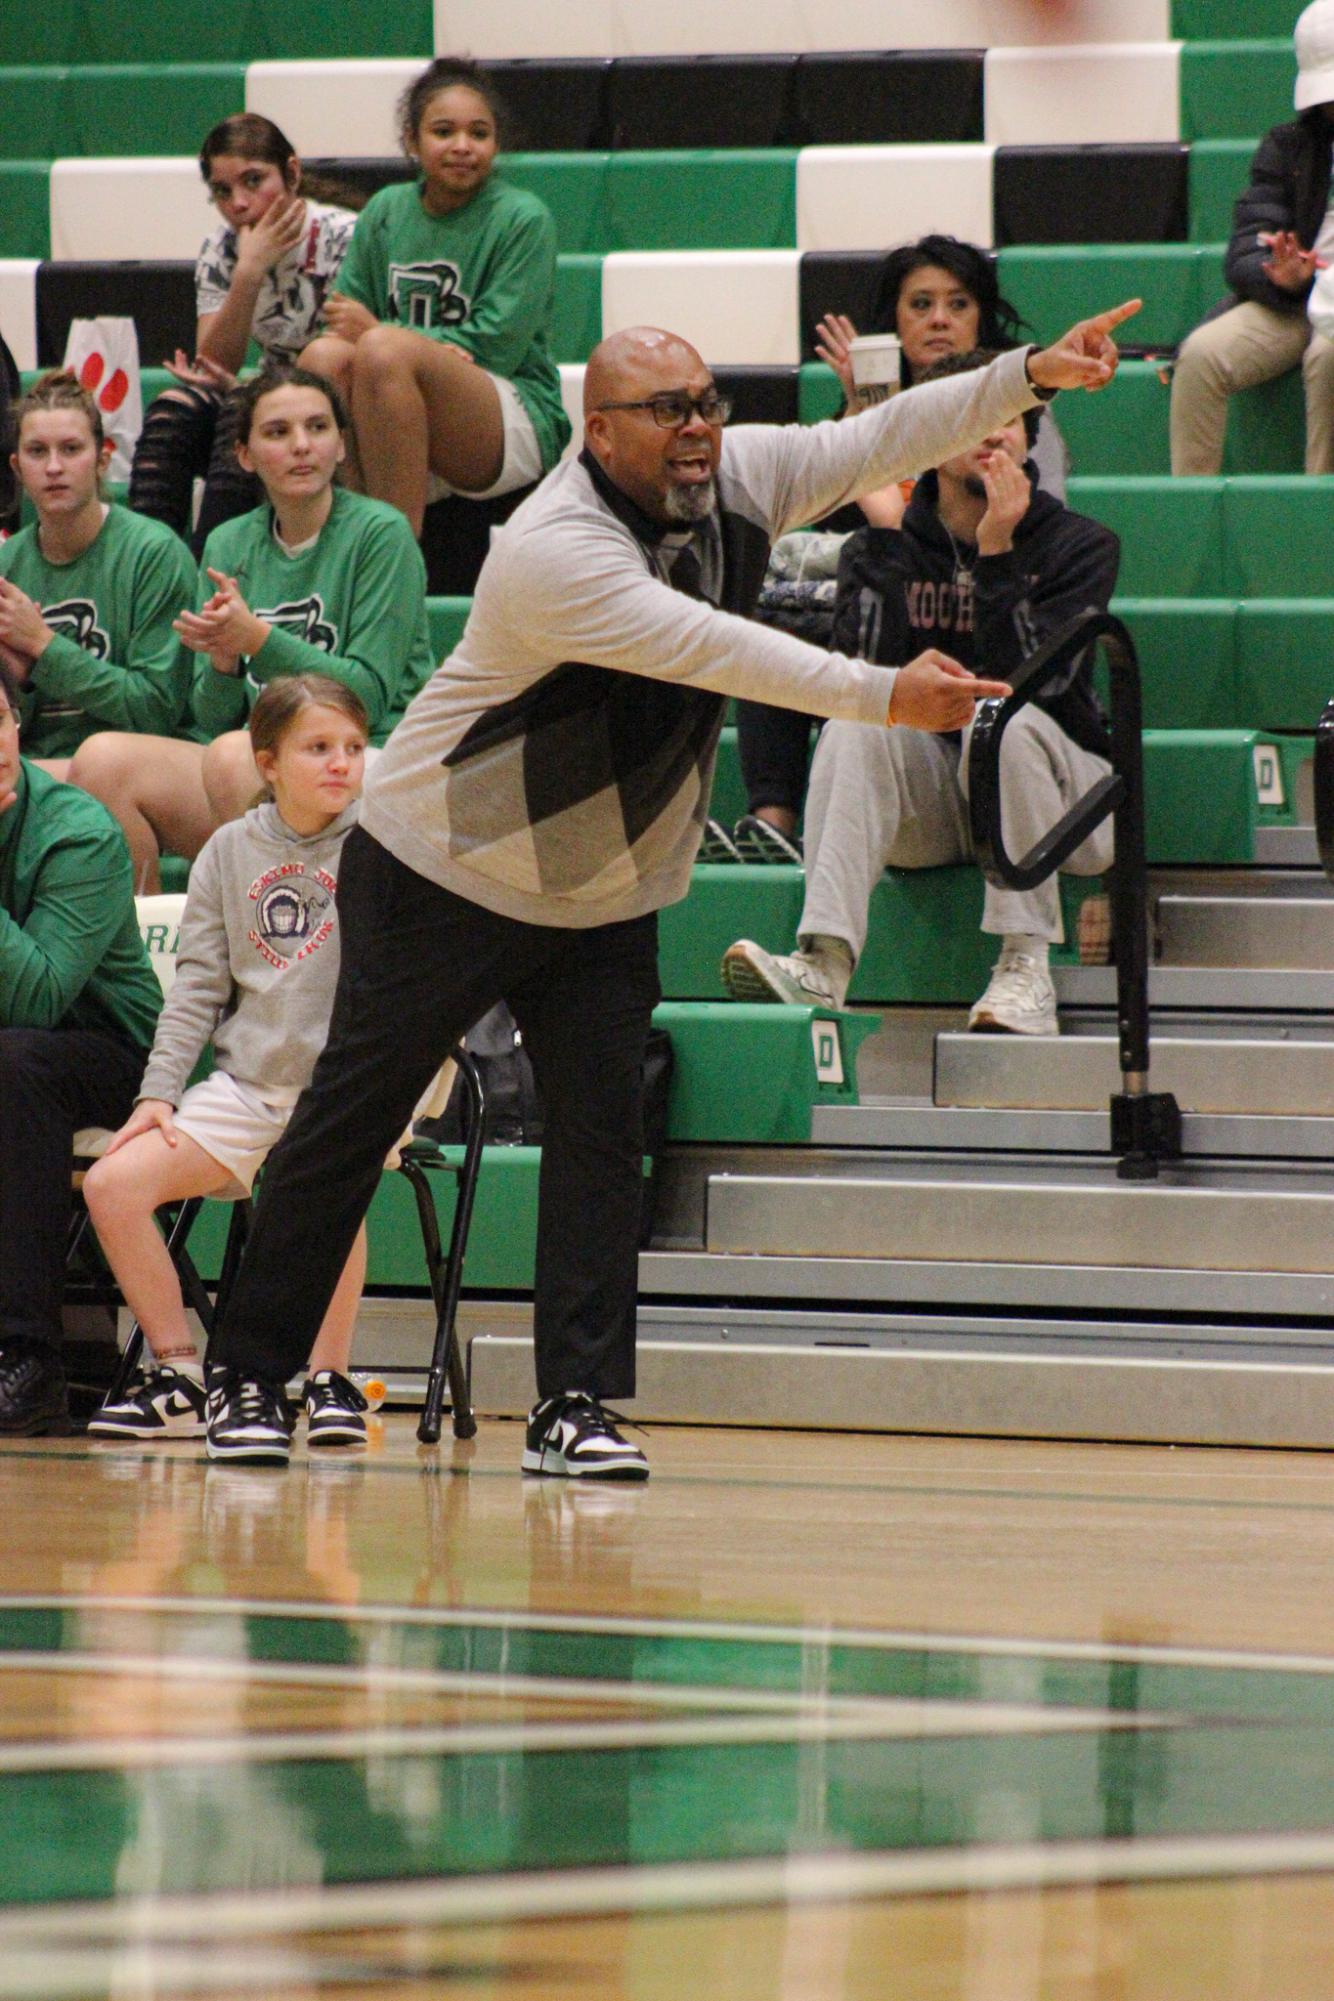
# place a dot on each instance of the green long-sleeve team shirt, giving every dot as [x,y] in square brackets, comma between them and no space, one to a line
[482,278]
[351,605]
[70,951]
[115,663]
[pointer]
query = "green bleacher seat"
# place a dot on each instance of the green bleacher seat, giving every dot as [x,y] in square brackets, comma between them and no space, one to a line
[1219,170]
[1214,20]
[25,208]
[1284,649]
[96,109]
[574,188]
[1126,430]
[576,326]
[703,200]
[1187,650]
[446,618]
[1201,793]
[1171,533]
[1237,89]
[1054,285]
[88,31]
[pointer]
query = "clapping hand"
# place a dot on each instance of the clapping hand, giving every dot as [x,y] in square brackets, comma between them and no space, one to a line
[1289,266]
[1084,358]
[24,633]
[224,627]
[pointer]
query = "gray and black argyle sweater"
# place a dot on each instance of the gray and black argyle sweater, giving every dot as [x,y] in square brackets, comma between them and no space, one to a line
[557,767]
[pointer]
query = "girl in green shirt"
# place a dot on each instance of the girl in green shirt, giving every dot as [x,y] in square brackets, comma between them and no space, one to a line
[88,592]
[438,326]
[316,580]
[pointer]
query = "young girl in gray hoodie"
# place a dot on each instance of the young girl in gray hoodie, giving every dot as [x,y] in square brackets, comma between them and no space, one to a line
[256,969]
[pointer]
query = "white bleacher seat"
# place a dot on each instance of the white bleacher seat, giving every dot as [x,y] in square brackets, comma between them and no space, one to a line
[691,27]
[134,207]
[1117,94]
[867,197]
[733,305]
[333,108]
[18,308]
[572,396]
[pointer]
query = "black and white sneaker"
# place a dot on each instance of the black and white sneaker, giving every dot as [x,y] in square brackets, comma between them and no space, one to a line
[248,1419]
[717,844]
[335,1410]
[757,841]
[159,1402]
[573,1435]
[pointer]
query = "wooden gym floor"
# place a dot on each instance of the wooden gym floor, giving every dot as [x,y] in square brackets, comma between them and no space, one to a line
[810,1716]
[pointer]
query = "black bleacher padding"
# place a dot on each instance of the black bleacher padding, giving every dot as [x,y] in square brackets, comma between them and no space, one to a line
[456,534]
[760,395]
[836,281]
[870,97]
[364,177]
[1091,194]
[158,297]
[682,101]
[556,106]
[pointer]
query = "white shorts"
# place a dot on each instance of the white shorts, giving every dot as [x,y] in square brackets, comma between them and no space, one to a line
[236,1125]
[522,461]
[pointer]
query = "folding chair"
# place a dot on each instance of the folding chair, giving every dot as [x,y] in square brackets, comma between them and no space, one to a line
[411,1157]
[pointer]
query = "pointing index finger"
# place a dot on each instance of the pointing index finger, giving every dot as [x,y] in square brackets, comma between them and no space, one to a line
[1104,322]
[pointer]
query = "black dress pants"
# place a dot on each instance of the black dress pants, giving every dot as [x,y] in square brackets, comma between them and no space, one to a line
[53,1082]
[419,966]
[775,751]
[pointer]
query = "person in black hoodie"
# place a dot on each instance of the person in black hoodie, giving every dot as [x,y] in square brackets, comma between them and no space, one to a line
[1282,238]
[985,567]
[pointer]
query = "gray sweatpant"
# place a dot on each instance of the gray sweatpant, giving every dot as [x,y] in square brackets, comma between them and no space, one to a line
[897,798]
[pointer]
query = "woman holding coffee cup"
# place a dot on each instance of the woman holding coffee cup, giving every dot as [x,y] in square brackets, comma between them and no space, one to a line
[938,296]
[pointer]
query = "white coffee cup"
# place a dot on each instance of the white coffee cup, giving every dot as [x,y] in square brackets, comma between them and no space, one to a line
[876,360]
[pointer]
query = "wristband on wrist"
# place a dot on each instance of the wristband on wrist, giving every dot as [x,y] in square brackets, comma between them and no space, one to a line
[1043,395]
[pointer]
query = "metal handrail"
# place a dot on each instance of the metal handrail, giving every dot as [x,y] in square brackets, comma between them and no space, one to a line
[1146,1125]
[1324,788]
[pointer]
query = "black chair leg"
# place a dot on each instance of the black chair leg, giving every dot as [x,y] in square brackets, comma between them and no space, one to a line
[447,1275]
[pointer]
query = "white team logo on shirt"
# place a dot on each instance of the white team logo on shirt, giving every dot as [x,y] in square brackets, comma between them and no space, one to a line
[76,619]
[293,912]
[428,295]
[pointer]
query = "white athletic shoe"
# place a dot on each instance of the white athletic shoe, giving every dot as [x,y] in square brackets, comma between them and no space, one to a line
[1020,999]
[159,1402]
[798,979]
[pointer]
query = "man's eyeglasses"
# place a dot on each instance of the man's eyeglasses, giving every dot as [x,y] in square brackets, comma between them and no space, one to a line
[672,408]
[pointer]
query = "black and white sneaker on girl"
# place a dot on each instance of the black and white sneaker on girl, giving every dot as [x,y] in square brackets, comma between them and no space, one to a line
[335,1410]
[575,1437]
[248,1420]
[159,1402]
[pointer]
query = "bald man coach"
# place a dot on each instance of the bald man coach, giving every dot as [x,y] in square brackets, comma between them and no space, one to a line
[541,801]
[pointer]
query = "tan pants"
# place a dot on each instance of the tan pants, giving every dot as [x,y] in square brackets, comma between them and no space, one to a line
[1246,345]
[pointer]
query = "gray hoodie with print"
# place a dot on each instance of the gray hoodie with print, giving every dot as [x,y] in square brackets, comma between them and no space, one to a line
[258,958]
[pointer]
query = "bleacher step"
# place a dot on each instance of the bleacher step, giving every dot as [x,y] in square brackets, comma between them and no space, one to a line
[1249,989]
[1056,1215]
[917,1126]
[1288,1073]
[1287,931]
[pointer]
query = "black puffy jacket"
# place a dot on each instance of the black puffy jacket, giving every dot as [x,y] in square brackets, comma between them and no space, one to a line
[1288,189]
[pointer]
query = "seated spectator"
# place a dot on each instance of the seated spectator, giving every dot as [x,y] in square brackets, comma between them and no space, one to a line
[438,331]
[261,276]
[255,976]
[88,592]
[78,1005]
[941,297]
[315,580]
[986,566]
[1281,309]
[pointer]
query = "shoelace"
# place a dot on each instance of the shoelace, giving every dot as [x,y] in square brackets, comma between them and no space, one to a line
[600,1418]
[249,1399]
[340,1390]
